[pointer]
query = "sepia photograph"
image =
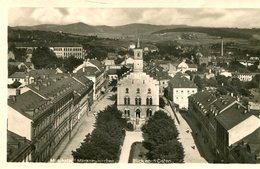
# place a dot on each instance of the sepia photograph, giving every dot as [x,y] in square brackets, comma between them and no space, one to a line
[132,84]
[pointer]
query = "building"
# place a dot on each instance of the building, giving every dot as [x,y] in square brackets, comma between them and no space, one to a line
[112,74]
[95,71]
[222,121]
[64,50]
[21,77]
[49,109]
[179,89]
[183,67]
[245,77]
[19,149]
[138,93]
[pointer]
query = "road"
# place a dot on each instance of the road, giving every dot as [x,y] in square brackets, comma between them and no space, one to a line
[85,127]
[192,155]
[130,138]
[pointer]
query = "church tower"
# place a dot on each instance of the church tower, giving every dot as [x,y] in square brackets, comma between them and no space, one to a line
[138,58]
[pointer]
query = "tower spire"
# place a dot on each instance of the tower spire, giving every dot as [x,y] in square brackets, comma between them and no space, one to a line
[138,44]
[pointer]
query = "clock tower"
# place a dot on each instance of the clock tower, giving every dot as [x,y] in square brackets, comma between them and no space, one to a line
[138,58]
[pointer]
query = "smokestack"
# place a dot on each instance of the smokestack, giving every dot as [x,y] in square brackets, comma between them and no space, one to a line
[222,47]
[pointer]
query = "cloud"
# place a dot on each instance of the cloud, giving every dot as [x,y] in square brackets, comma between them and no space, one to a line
[217,17]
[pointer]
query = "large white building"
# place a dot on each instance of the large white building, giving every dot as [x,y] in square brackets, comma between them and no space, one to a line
[179,89]
[138,93]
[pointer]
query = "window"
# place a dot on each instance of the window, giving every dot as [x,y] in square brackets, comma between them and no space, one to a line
[127,113]
[127,101]
[126,90]
[182,91]
[138,101]
[149,91]
[149,112]
[138,90]
[149,101]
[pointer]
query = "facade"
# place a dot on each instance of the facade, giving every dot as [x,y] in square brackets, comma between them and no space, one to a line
[21,77]
[247,77]
[179,89]
[63,50]
[222,121]
[49,110]
[138,93]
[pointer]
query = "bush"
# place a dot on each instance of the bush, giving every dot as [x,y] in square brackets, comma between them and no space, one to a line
[129,126]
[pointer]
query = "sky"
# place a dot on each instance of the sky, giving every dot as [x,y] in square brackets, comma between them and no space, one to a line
[213,17]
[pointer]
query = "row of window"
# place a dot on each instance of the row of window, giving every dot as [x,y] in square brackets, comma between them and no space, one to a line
[72,54]
[138,101]
[177,91]
[138,91]
[148,113]
[68,49]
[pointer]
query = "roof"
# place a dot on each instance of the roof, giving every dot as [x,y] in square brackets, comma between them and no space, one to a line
[96,63]
[232,116]
[25,102]
[112,71]
[64,44]
[53,86]
[15,63]
[180,81]
[15,145]
[28,64]
[253,141]
[224,101]
[205,98]
[89,71]
[193,66]
[18,75]
[41,72]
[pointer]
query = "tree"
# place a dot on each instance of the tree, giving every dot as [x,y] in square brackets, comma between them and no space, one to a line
[70,63]
[43,57]
[105,140]
[161,103]
[161,139]
[199,82]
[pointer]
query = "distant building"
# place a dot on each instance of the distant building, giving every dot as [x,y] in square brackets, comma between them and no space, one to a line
[179,89]
[64,50]
[112,74]
[183,67]
[21,77]
[138,93]
[245,77]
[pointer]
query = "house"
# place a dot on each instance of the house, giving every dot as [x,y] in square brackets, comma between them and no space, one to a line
[222,121]
[112,74]
[183,67]
[21,77]
[127,61]
[179,89]
[19,149]
[95,71]
[138,93]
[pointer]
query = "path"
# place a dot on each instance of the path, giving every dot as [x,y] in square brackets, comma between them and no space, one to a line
[130,138]
[85,127]
[192,154]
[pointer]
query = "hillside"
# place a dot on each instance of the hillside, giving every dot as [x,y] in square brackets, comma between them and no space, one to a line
[220,32]
[85,29]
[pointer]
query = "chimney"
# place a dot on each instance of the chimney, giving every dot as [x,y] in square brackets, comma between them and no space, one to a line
[18,91]
[14,99]
[222,46]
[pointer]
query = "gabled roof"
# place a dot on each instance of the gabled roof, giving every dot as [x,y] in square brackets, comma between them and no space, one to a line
[64,44]
[18,75]
[232,116]
[96,63]
[26,101]
[89,71]
[180,81]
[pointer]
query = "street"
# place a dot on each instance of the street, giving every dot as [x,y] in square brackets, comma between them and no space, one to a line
[192,155]
[85,127]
